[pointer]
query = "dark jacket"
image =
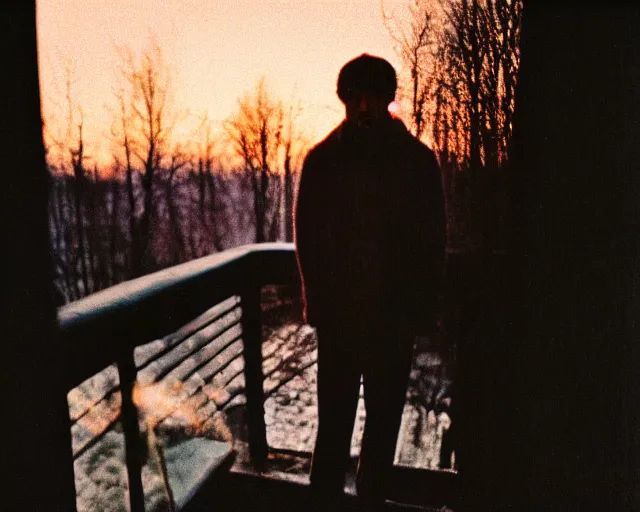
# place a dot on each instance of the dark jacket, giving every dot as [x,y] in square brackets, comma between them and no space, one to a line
[370,228]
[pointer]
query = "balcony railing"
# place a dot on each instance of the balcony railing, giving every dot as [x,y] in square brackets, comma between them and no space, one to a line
[105,328]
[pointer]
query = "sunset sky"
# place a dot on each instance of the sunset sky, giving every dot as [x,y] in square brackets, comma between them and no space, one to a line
[216,51]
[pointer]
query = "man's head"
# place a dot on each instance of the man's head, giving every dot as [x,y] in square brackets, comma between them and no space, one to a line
[366,86]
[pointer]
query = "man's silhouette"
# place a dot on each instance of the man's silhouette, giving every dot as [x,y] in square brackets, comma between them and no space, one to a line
[370,237]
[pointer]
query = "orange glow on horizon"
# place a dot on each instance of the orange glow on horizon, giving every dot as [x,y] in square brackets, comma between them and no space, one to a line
[215,50]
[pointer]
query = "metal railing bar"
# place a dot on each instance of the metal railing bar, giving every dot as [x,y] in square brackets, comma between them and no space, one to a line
[223,404]
[199,345]
[109,325]
[131,429]
[202,356]
[122,296]
[225,380]
[93,440]
[234,354]
[201,365]
[132,313]
[176,339]
[191,394]
[238,390]
[116,388]
[199,387]
[240,399]
[201,411]
[232,396]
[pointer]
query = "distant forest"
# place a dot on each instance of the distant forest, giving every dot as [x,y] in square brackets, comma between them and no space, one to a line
[161,202]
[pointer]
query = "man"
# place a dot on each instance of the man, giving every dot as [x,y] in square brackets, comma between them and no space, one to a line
[370,237]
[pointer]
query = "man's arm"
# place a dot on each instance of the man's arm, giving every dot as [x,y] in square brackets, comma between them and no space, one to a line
[304,239]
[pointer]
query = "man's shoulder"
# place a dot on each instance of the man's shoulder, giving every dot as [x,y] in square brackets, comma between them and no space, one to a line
[427,155]
[419,148]
[411,144]
[323,150]
[328,144]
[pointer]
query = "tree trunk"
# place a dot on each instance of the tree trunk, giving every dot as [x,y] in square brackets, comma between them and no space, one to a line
[288,197]
[78,172]
[143,234]
[201,190]
[214,209]
[58,226]
[133,232]
[274,227]
[63,243]
[174,221]
[115,227]
[71,253]
[94,235]
[258,207]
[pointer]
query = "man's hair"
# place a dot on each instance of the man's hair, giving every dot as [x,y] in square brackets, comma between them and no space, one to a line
[367,73]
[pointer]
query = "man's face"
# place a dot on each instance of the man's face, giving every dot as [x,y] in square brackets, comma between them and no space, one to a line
[365,109]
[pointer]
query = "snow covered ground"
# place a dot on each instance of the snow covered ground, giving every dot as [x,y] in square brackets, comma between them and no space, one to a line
[212,406]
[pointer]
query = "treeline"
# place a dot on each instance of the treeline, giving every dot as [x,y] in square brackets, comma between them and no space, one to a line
[160,203]
[96,229]
[460,64]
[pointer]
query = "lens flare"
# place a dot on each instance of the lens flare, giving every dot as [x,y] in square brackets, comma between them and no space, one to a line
[394,109]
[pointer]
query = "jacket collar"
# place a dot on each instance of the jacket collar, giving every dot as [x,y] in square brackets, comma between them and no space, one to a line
[346,132]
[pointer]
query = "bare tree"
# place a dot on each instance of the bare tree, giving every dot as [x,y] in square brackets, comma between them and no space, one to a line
[209,185]
[255,130]
[61,233]
[99,192]
[482,36]
[78,216]
[65,159]
[114,224]
[178,252]
[77,161]
[161,203]
[414,39]
[295,144]
[121,133]
[508,19]
[480,39]
[462,58]
[147,121]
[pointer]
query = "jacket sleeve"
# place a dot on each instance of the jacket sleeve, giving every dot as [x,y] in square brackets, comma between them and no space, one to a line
[305,212]
[429,243]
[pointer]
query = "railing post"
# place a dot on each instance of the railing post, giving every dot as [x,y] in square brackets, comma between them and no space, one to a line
[254,378]
[133,456]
